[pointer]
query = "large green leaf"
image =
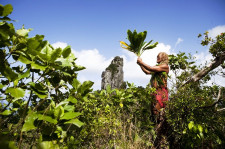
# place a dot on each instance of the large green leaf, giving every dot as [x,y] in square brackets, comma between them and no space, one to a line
[16,92]
[25,59]
[1,85]
[29,121]
[5,69]
[85,87]
[76,122]
[23,32]
[39,89]
[34,65]
[69,108]
[46,53]
[36,44]
[56,54]
[6,10]
[70,115]
[78,67]
[24,75]
[6,112]
[191,125]
[58,112]
[76,84]
[66,52]
[47,118]
[72,99]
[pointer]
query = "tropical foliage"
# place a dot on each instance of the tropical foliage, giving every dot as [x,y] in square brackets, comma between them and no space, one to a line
[43,104]
[137,42]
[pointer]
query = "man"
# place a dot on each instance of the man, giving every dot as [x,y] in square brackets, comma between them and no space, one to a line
[158,79]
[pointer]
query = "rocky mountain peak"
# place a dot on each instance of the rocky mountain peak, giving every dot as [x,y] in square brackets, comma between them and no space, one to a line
[113,74]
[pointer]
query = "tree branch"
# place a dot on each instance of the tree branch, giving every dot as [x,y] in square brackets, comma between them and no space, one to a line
[223,109]
[214,64]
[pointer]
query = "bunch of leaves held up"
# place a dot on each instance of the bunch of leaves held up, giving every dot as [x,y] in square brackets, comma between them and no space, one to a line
[137,42]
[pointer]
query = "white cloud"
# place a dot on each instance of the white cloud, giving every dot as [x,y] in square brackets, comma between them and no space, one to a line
[203,58]
[179,40]
[59,44]
[92,60]
[216,31]
[95,64]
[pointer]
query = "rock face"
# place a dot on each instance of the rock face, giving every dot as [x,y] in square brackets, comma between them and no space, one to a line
[113,74]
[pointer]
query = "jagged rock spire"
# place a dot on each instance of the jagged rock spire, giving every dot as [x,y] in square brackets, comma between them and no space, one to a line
[113,74]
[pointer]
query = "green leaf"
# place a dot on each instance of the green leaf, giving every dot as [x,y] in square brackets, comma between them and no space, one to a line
[35,45]
[66,62]
[85,87]
[62,103]
[191,125]
[6,112]
[8,72]
[47,145]
[38,66]
[29,121]
[6,10]
[66,52]
[39,89]
[15,92]
[24,59]
[1,85]
[76,122]
[76,84]
[56,54]
[78,67]
[70,115]
[58,112]
[24,75]
[23,32]
[69,108]
[47,118]
[200,128]
[46,52]
[72,99]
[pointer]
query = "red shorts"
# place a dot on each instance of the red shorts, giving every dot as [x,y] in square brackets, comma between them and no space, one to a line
[161,96]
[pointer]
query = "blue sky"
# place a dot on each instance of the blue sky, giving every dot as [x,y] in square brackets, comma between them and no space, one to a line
[94,28]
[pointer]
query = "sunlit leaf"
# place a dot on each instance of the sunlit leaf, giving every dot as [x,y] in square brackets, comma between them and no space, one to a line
[47,145]
[76,122]
[16,92]
[6,10]
[69,107]
[56,54]
[23,32]
[58,112]
[47,118]
[76,83]
[6,112]
[191,125]
[29,121]
[72,99]
[1,85]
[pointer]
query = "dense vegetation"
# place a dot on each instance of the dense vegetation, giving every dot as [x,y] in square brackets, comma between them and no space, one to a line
[43,105]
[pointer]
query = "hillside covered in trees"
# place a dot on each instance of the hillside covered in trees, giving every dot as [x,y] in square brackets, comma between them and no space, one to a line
[44,105]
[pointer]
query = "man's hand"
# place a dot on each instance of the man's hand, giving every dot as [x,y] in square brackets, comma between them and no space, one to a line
[139,60]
